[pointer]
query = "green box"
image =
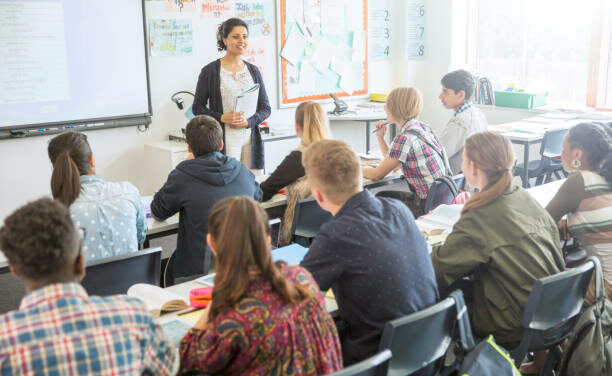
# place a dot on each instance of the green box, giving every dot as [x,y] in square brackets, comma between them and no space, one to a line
[519,100]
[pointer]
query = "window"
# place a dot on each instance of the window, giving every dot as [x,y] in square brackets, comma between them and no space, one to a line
[558,46]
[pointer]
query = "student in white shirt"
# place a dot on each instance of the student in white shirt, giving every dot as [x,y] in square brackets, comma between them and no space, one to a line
[457,90]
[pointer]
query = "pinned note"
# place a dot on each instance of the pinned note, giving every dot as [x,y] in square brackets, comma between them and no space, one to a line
[294,46]
[308,77]
[323,55]
[332,22]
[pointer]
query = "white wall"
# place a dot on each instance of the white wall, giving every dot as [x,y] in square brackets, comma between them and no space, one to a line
[24,166]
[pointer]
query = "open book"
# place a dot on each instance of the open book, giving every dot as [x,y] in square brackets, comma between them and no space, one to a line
[247,101]
[440,220]
[157,299]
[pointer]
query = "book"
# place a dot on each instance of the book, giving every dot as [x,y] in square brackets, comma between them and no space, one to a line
[157,299]
[292,254]
[247,101]
[440,220]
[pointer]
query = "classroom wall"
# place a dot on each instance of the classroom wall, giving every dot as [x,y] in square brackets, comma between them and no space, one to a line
[25,169]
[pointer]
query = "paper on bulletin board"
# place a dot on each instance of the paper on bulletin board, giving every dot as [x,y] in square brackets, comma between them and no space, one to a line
[180,6]
[312,17]
[170,37]
[415,29]
[294,46]
[359,44]
[294,11]
[221,9]
[354,15]
[331,23]
[323,55]
[259,15]
[308,77]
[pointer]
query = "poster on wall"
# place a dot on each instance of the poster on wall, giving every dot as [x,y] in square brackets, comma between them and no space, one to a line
[170,37]
[379,32]
[415,29]
[259,15]
[180,6]
[219,9]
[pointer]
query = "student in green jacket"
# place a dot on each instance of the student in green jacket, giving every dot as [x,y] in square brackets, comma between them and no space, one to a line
[503,238]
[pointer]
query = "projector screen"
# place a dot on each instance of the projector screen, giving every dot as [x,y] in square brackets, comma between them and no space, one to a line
[72,61]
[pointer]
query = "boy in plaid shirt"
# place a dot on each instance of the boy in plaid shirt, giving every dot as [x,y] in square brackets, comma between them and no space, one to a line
[415,149]
[59,329]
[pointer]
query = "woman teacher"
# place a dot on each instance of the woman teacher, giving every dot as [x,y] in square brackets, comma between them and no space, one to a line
[219,84]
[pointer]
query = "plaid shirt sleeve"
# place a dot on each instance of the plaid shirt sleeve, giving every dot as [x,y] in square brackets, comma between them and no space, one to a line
[160,354]
[400,148]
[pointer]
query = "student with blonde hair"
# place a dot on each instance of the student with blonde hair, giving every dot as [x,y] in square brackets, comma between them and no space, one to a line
[311,124]
[265,318]
[367,239]
[504,237]
[416,149]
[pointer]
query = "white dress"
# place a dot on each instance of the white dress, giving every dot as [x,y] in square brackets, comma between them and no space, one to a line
[233,84]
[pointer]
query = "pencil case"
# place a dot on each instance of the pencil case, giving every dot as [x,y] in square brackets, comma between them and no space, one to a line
[200,297]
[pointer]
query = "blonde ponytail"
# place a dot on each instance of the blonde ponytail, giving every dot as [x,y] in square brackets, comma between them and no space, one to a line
[492,154]
[313,122]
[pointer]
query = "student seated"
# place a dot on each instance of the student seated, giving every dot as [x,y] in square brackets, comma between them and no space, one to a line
[371,254]
[111,213]
[311,125]
[193,188]
[265,318]
[457,90]
[586,195]
[415,148]
[59,329]
[503,237]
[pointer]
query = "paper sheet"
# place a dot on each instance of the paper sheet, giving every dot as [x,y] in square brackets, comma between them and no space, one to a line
[354,14]
[191,317]
[343,55]
[332,23]
[294,10]
[293,91]
[308,77]
[294,46]
[323,55]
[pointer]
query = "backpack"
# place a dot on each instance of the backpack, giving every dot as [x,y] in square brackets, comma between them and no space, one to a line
[482,359]
[589,349]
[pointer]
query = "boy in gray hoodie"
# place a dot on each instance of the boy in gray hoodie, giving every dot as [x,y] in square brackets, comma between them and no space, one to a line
[193,188]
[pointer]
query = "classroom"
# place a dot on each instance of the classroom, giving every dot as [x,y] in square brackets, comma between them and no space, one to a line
[305,187]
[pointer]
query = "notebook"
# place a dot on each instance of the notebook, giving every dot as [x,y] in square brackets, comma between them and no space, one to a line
[292,254]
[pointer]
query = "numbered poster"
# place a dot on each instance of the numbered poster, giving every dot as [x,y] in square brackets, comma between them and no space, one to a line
[415,29]
[379,32]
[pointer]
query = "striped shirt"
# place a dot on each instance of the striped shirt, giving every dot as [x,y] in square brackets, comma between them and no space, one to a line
[60,330]
[422,162]
[586,197]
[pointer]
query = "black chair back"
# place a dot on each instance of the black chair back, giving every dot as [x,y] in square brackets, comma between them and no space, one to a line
[552,305]
[552,143]
[115,275]
[419,339]
[371,366]
[442,191]
[307,220]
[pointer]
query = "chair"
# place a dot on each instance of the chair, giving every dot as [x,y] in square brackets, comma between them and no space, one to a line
[115,275]
[549,163]
[307,219]
[442,191]
[552,307]
[419,339]
[275,230]
[12,290]
[367,367]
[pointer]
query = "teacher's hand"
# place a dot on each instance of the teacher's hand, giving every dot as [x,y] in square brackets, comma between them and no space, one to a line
[234,119]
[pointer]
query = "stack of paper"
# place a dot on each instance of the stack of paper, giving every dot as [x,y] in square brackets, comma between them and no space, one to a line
[440,220]
[246,101]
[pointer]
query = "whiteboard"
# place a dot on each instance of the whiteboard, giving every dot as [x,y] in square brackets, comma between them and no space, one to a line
[321,49]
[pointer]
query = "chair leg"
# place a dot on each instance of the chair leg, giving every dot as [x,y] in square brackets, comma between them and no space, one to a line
[539,180]
[553,357]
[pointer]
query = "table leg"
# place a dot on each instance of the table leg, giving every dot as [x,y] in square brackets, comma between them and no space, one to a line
[526,165]
[367,136]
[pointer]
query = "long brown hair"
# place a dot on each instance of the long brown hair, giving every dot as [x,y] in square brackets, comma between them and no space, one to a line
[69,153]
[240,230]
[492,153]
[313,122]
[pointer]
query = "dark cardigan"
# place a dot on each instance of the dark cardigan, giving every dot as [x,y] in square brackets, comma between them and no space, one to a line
[208,91]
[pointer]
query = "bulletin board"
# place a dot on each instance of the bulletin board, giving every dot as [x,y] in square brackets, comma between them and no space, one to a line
[322,49]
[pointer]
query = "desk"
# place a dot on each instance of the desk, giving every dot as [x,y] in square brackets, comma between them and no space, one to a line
[158,229]
[182,289]
[367,117]
[531,133]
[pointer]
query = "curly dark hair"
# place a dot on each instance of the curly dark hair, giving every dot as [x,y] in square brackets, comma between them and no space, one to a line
[226,28]
[596,141]
[38,238]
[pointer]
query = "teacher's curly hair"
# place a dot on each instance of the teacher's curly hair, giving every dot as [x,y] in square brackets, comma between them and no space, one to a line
[226,28]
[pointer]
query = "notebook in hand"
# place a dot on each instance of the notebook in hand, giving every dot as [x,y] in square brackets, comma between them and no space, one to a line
[292,254]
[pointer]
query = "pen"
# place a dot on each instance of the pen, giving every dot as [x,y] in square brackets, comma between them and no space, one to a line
[377,129]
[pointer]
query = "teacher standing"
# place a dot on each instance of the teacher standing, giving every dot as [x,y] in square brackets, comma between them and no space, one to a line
[219,84]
